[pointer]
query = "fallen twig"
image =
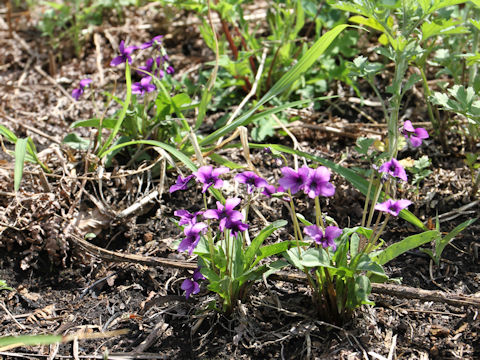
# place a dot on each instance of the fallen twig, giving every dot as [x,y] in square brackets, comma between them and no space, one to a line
[401,291]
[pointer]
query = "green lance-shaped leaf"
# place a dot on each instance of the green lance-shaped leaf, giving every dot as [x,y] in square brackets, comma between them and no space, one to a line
[443,242]
[20,151]
[281,85]
[104,150]
[404,245]
[258,241]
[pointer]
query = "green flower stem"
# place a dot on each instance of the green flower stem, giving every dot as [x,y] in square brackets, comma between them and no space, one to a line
[296,226]
[380,98]
[377,236]
[227,252]
[367,198]
[472,73]
[209,235]
[318,213]
[375,199]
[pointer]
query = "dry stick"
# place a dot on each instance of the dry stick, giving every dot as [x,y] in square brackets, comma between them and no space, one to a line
[401,291]
[98,57]
[32,129]
[324,128]
[54,83]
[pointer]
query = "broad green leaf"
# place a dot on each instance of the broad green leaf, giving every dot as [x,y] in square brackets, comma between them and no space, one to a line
[475,23]
[4,286]
[374,24]
[259,239]
[275,266]
[439,4]
[443,242]
[404,245]
[363,288]
[315,257]
[425,4]
[442,27]
[76,142]
[275,249]
[20,151]
[281,85]
[367,264]
[293,258]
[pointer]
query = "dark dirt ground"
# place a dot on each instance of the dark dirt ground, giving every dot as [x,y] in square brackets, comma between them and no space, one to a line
[59,288]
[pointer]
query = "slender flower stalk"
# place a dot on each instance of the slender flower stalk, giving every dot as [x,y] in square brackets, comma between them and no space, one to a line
[367,198]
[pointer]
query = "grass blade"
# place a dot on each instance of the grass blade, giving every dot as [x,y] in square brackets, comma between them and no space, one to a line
[20,151]
[281,85]
[103,151]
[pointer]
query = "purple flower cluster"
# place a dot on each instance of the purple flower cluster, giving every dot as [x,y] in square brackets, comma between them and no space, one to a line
[157,66]
[325,238]
[415,135]
[313,182]
[228,217]
[76,93]
[190,285]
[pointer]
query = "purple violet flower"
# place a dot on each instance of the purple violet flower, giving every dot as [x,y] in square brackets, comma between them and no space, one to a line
[76,93]
[155,42]
[251,179]
[181,184]
[415,135]
[124,54]
[393,207]
[325,239]
[224,213]
[143,86]
[317,183]
[192,233]
[190,287]
[294,180]
[147,68]
[269,190]
[235,226]
[394,168]
[197,275]
[186,217]
[170,70]
[210,177]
